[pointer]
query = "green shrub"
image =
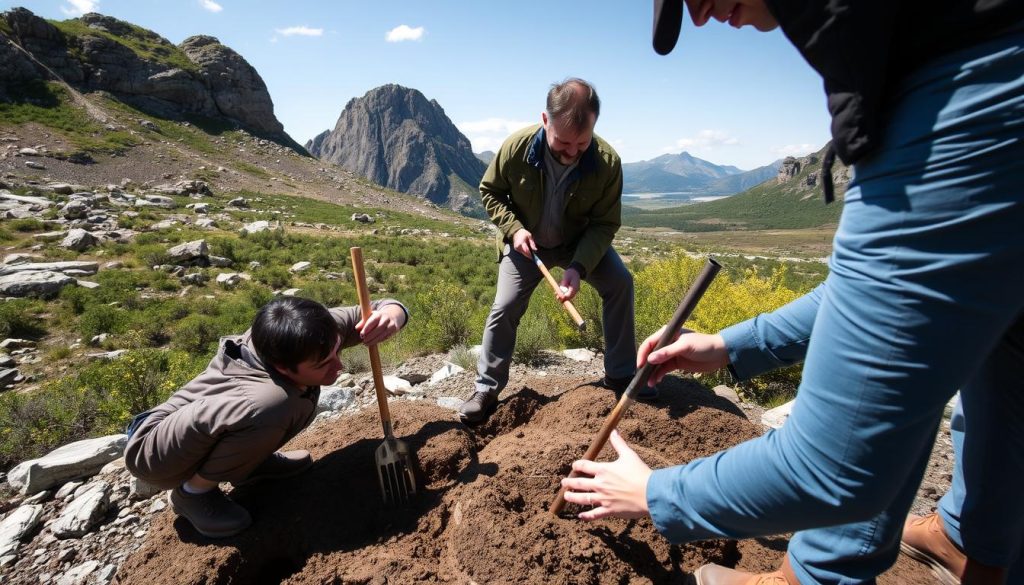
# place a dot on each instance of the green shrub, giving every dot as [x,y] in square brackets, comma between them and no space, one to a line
[461,356]
[441,317]
[102,319]
[19,318]
[662,284]
[533,337]
[196,334]
[33,424]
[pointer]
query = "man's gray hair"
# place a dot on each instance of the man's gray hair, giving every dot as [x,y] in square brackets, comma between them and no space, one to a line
[572,101]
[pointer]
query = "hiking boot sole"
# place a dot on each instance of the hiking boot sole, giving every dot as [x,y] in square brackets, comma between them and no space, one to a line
[940,572]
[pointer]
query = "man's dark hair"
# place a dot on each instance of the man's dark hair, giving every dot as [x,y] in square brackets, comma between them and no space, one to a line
[572,101]
[290,330]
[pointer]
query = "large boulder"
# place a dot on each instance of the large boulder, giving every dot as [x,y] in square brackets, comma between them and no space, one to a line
[43,284]
[15,526]
[72,461]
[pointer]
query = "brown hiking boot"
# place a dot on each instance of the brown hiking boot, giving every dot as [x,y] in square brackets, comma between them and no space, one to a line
[212,513]
[925,540]
[712,574]
[279,465]
[478,407]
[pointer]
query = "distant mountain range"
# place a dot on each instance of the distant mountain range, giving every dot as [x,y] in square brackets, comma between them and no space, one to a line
[790,200]
[683,172]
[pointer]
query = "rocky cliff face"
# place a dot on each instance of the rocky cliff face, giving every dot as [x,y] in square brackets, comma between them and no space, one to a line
[99,53]
[395,137]
[806,171]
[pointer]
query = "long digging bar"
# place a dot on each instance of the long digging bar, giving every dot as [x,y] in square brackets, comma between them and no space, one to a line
[393,457]
[639,380]
[580,323]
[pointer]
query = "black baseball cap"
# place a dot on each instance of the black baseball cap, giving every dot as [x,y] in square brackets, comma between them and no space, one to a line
[668,19]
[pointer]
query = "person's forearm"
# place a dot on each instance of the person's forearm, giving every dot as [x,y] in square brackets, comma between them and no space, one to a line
[772,340]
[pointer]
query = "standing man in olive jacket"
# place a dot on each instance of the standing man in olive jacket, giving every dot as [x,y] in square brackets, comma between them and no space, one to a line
[555,190]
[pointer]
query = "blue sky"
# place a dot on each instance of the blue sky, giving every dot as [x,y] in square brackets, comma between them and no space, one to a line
[734,97]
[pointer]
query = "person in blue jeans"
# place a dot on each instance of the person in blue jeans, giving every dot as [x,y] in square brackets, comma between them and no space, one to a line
[925,297]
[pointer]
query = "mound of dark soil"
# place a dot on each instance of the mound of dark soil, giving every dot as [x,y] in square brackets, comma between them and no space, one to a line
[481,512]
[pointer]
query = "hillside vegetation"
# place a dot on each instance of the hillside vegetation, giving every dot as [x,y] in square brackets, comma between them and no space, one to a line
[793,203]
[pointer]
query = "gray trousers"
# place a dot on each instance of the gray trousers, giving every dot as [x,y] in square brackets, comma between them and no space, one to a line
[518,276]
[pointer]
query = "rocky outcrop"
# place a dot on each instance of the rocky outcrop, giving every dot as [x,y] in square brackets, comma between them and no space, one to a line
[397,138]
[199,77]
[235,87]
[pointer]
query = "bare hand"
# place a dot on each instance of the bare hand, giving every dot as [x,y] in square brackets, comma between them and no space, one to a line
[616,489]
[690,352]
[382,324]
[523,243]
[570,285]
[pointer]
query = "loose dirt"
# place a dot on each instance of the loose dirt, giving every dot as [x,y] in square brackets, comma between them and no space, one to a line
[481,514]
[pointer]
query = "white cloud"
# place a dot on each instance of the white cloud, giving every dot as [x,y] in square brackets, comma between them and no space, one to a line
[704,140]
[302,31]
[488,134]
[80,7]
[210,5]
[404,33]
[794,149]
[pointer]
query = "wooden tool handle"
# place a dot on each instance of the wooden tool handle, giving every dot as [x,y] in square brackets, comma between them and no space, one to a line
[554,286]
[359,275]
[686,306]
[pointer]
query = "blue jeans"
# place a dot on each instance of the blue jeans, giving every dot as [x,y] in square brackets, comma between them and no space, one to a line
[925,297]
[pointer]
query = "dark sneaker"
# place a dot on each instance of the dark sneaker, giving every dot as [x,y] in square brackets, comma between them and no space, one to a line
[212,514]
[279,465]
[619,385]
[478,407]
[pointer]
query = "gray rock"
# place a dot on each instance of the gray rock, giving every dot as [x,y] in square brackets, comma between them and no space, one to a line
[16,525]
[777,416]
[161,201]
[228,279]
[79,575]
[447,370]
[21,258]
[68,489]
[334,399]
[72,461]
[142,490]
[220,262]
[40,202]
[727,393]
[300,267]
[79,240]
[77,209]
[83,513]
[82,267]
[362,218]
[188,251]
[239,202]
[42,284]
[579,355]
[8,376]
[206,223]
[34,165]
[256,227]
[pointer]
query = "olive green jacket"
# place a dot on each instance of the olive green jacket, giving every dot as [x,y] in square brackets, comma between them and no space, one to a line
[512,191]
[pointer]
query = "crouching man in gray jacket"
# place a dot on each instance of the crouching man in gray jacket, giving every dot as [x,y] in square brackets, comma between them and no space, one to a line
[258,392]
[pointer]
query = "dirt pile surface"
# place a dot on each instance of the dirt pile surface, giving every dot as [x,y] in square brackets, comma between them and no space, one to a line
[481,514]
